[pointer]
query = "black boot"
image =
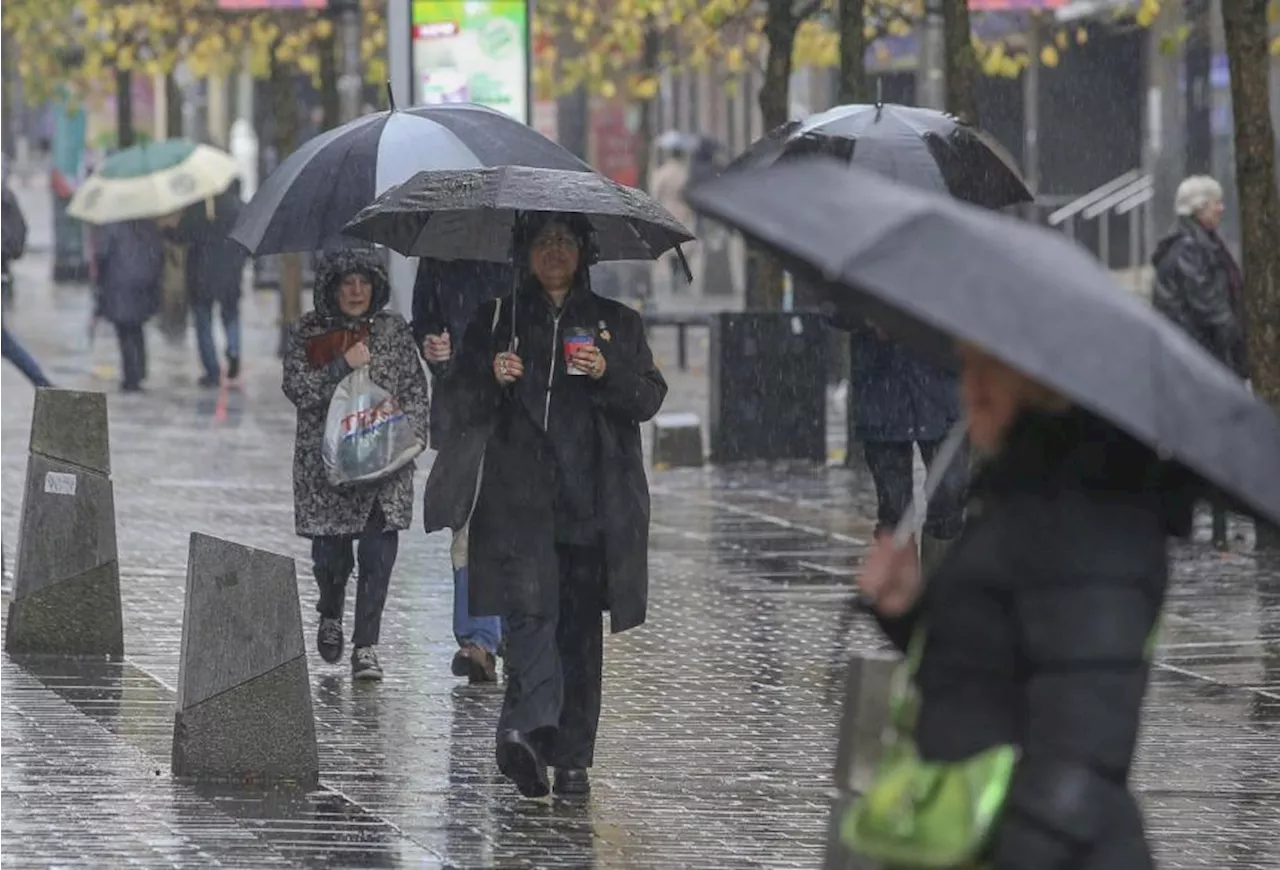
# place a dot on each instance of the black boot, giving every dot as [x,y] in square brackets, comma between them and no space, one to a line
[572,781]
[520,762]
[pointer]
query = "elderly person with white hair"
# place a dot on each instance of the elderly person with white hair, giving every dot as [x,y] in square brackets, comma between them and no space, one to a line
[1199,286]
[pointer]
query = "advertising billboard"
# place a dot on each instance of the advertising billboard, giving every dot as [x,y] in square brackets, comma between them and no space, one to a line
[472,51]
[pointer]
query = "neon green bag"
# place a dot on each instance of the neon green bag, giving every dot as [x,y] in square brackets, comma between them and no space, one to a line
[927,815]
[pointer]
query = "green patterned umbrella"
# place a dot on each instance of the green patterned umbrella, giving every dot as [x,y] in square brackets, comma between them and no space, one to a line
[151,181]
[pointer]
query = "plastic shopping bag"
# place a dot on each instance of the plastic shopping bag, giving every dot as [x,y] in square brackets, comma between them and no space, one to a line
[367,436]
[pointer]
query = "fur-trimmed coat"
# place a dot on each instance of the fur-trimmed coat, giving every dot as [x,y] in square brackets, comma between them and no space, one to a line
[313,368]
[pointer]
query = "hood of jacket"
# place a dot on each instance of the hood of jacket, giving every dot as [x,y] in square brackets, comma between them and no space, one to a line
[332,266]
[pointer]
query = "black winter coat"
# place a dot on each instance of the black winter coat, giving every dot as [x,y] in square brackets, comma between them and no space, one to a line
[1034,630]
[512,556]
[215,264]
[130,259]
[1197,287]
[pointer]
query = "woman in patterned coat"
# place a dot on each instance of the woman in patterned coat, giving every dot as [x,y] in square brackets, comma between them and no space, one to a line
[350,327]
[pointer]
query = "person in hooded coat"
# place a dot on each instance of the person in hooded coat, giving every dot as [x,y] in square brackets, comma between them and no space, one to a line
[215,273]
[446,294]
[350,327]
[130,266]
[559,530]
[1035,626]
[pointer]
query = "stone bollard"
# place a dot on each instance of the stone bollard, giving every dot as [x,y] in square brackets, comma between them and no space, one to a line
[244,695]
[66,591]
[863,719]
[677,441]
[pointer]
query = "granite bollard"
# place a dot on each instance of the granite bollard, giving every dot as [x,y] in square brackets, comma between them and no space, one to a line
[66,594]
[677,441]
[244,695]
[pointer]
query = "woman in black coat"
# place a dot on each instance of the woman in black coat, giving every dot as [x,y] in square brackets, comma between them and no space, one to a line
[560,528]
[1036,622]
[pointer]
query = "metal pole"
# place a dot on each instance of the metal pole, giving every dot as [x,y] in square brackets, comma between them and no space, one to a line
[1031,105]
[931,85]
[350,81]
[1135,248]
[1104,239]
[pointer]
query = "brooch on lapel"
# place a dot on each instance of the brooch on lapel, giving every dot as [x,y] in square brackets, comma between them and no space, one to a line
[603,329]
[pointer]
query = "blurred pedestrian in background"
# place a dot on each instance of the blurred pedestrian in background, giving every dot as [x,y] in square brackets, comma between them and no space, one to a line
[667,184]
[446,295]
[349,328]
[130,266]
[13,245]
[1199,286]
[214,276]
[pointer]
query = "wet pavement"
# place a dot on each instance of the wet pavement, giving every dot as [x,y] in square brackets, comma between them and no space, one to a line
[717,735]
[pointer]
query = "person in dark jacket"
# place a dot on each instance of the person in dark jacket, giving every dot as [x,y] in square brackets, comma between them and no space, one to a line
[901,402]
[14,226]
[559,530]
[215,273]
[1035,624]
[349,328]
[446,295]
[1199,286]
[130,268]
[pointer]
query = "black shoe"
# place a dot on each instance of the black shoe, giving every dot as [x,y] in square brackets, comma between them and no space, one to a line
[329,639]
[572,781]
[364,664]
[233,367]
[520,762]
[208,381]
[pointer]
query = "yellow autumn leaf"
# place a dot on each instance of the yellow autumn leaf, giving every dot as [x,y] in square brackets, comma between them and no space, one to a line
[1082,35]
[645,88]
[608,89]
[1060,40]
[324,28]
[1275,46]
[1049,56]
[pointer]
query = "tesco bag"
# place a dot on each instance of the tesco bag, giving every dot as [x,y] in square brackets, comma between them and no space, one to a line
[367,435]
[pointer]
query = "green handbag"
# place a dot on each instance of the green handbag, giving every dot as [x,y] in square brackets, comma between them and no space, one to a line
[928,815]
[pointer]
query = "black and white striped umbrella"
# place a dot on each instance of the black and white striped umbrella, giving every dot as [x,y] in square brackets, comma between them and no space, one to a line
[304,203]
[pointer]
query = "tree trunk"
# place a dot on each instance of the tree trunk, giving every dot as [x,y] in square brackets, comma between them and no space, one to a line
[284,104]
[853,53]
[960,62]
[330,105]
[124,109]
[765,289]
[172,107]
[1245,27]
[645,134]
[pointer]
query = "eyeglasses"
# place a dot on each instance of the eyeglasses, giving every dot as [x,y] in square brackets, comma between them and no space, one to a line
[566,241]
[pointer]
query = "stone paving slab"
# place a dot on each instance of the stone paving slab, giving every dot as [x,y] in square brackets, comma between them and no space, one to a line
[718,730]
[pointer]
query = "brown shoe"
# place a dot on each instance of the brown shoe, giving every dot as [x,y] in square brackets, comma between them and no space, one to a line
[475,663]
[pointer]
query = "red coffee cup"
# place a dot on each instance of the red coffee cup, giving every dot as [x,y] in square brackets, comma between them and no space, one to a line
[575,338]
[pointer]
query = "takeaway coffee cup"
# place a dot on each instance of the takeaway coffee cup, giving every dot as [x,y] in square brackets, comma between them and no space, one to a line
[575,338]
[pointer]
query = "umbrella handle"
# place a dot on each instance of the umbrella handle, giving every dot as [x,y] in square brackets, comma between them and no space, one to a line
[947,452]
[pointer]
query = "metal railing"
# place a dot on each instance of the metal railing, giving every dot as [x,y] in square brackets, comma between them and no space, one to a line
[1124,195]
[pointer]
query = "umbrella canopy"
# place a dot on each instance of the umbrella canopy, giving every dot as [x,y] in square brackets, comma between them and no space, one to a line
[151,181]
[304,203]
[942,270]
[920,147]
[472,214]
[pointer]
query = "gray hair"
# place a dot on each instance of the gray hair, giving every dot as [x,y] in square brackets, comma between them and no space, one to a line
[1194,193]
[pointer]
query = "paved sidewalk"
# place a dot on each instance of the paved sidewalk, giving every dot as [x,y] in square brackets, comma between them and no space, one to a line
[717,737]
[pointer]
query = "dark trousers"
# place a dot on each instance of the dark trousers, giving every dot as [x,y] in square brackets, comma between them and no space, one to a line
[333,562]
[133,354]
[555,664]
[891,462]
[15,353]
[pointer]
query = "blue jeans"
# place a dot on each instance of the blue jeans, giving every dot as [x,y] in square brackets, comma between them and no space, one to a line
[483,631]
[26,363]
[230,312]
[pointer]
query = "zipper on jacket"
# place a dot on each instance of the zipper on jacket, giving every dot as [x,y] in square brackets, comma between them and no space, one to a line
[551,372]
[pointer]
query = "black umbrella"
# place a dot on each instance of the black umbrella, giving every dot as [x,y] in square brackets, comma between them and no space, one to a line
[471,214]
[942,270]
[921,147]
[304,203]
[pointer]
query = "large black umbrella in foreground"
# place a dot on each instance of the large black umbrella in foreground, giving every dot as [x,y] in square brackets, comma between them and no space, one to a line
[472,214]
[942,270]
[304,203]
[921,147]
